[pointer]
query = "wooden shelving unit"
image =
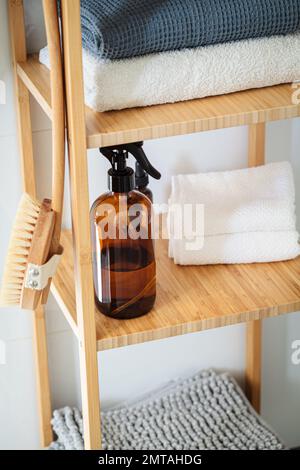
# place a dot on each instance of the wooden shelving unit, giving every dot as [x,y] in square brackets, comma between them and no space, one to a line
[189,299]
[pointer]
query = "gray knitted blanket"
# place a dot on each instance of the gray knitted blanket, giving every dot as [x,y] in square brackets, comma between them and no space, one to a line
[207,411]
[127,28]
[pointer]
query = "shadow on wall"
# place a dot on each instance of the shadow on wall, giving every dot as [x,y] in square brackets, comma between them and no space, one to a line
[35,30]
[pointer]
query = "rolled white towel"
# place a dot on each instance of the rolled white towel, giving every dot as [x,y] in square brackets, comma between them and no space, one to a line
[235,248]
[186,74]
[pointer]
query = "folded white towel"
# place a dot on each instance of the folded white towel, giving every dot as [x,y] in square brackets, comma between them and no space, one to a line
[273,181]
[263,215]
[252,247]
[247,200]
[186,74]
[249,215]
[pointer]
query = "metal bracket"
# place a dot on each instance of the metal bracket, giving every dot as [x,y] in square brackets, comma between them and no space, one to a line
[37,276]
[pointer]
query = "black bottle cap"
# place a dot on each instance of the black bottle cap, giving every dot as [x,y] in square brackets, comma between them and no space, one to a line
[120,176]
[141,176]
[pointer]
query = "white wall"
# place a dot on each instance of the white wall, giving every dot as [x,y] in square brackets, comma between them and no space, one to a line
[130,371]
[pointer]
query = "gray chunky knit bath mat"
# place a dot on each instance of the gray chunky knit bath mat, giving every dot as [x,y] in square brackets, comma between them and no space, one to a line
[206,411]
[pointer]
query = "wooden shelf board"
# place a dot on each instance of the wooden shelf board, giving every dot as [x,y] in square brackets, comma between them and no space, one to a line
[36,77]
[190,299]
[153,122]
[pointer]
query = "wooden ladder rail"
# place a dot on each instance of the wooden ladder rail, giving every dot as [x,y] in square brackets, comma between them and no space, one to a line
[19,54]
[58,123]
[256,157]
[77,146]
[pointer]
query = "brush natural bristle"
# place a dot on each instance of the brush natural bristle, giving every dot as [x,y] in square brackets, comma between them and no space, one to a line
[18,250]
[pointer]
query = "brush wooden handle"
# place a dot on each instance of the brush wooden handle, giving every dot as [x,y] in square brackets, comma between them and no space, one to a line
[58,122]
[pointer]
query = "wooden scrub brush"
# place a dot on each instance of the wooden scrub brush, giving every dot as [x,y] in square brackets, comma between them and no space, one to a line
[28,251]
[34,250]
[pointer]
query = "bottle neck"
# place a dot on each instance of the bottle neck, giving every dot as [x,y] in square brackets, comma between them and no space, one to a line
[141,177]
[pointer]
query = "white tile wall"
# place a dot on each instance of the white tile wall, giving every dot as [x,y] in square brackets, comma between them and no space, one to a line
[39,119]
[62,368]
[136,370]
[7,114]
[281,384]
[19,420]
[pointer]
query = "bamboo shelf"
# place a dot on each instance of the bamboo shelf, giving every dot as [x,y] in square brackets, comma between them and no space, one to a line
[191,298]
[153,122]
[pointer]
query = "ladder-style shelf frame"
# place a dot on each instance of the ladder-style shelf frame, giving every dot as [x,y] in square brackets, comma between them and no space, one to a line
[87,129]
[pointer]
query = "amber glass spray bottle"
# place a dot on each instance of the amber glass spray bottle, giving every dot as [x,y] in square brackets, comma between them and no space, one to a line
[123,251]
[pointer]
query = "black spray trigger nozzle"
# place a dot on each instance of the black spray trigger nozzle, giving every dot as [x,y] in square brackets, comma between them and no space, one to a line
[136,150]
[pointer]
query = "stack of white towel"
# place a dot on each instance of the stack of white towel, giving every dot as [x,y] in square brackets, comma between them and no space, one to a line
[249,216]
[186,74]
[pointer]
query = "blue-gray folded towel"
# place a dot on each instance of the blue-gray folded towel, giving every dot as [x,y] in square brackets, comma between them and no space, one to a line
[127,28]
